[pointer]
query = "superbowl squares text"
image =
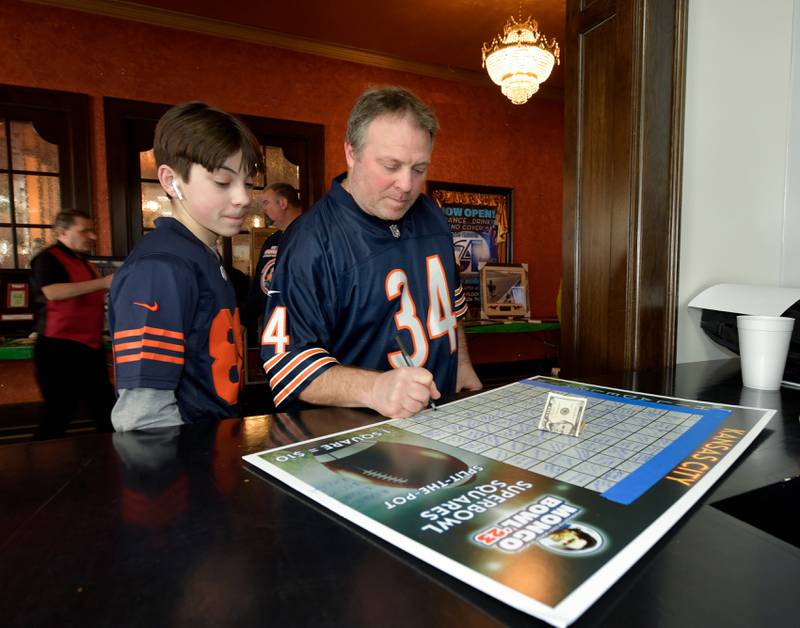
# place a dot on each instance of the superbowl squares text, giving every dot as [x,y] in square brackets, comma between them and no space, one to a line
[453,479]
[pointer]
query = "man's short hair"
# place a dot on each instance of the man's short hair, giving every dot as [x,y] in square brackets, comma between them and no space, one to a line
[287,191]
[196,133]
[381,101]
[67,217]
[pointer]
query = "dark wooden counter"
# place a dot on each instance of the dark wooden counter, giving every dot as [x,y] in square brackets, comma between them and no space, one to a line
[172,529]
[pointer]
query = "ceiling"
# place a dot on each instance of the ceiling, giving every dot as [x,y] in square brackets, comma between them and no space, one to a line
[445,33]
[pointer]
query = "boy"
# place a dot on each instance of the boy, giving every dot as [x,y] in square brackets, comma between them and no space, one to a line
[173,313]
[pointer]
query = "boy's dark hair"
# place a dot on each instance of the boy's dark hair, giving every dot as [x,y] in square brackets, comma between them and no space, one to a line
[66,218]
[387,101]
[196,133]
[287,191]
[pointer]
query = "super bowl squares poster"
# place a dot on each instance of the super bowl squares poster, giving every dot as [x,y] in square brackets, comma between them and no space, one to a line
[544,522]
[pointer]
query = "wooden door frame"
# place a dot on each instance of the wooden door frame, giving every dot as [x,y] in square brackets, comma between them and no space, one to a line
[639,199]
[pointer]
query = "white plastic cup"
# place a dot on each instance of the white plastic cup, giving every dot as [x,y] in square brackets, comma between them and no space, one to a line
[763,346]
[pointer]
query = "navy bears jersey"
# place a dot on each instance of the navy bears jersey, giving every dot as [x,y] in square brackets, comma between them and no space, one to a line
[253,307]
[175,324]
[347,284]
[266,261]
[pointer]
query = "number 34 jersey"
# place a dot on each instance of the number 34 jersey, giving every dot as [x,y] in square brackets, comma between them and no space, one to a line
[348,284]
[175,323]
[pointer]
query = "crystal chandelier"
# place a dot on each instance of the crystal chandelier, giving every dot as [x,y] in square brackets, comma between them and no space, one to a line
[520,59]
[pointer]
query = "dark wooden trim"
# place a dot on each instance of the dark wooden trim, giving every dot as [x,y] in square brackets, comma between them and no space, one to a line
[74,152]
[655,277]
[294,137]
[125,122]
[625,67]
[676,178]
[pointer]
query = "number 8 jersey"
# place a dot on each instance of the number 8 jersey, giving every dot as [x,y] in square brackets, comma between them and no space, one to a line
[347,283]
[175,323]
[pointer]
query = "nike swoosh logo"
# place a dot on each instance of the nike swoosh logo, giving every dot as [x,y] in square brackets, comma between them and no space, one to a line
[147,306]
[271,292]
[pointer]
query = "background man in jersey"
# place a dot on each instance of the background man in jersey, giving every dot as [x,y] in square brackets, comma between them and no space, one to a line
[69,356]
[173,313]
[373,261]
[281,204]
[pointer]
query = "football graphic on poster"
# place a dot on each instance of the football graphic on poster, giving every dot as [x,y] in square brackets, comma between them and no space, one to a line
[392,464]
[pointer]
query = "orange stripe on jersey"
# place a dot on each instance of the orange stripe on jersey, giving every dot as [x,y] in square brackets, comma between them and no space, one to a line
[274,360]
[123,346]
[276,379]
[154,331]
[147,355]
[461,311]
[307,372]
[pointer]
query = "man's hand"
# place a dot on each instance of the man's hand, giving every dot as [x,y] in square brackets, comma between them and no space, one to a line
[466,378]
[403,392]
[61,291]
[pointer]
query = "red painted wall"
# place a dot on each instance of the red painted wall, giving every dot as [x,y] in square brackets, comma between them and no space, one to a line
[484,139]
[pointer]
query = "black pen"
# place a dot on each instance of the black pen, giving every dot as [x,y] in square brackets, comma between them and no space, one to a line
[407,360]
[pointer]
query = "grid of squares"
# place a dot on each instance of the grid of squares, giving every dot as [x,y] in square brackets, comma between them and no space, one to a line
[502,425]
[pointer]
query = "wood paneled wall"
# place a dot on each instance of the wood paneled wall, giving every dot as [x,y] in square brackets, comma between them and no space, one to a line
[623,129]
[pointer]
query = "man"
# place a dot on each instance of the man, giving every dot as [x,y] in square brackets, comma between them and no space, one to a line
[69,356]
[281,205]
[368,272]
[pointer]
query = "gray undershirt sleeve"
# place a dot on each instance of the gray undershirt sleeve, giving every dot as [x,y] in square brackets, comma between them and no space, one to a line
[143,408]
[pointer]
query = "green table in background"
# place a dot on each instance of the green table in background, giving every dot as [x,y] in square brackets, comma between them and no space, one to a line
[16,350]
[513,327]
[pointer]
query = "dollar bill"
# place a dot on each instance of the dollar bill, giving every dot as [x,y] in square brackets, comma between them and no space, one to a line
[563,414]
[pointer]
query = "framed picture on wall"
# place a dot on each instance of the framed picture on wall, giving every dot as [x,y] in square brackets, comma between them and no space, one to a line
[504,291]
[17,296]
[481,220]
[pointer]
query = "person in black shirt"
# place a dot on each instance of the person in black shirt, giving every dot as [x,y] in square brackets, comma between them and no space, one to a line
[281,205]
[69,357]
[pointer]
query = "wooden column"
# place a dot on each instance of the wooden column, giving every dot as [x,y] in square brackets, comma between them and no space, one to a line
[622,171]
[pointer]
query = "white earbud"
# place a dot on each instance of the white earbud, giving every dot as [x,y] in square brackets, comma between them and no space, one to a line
[177,190]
